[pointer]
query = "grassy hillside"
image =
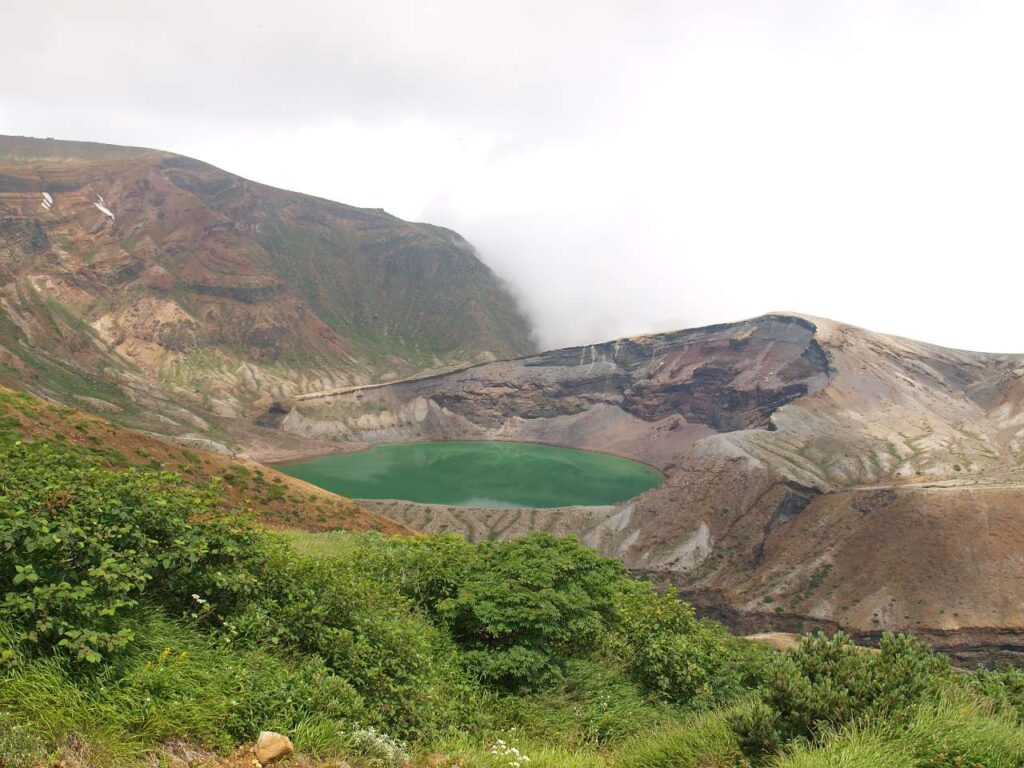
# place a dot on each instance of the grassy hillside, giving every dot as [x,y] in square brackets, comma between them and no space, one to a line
[145,621]
[276,500]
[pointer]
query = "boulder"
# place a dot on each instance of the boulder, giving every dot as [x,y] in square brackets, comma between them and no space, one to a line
[271,747]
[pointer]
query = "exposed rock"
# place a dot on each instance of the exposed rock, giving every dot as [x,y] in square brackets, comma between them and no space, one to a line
[648,398]
[271,747]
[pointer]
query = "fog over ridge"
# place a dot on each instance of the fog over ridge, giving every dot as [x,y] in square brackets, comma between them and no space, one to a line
[626,166]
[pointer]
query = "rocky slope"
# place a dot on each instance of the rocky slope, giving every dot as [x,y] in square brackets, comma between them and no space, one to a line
[175,296]
[648,398]
[816,473]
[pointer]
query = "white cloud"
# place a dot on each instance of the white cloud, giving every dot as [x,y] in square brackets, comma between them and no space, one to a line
[628,166]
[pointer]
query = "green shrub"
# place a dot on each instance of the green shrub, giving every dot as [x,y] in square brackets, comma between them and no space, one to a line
[658,639]
[528,606]
[406,670]
[274,493]
[426,569]
[829,682]
[757,731]
[1003,687]
[81,544]
[668,651]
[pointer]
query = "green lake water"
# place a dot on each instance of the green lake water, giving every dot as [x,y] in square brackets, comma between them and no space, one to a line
[479,474]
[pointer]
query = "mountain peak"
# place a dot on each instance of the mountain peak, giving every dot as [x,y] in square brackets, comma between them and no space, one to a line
[159,277]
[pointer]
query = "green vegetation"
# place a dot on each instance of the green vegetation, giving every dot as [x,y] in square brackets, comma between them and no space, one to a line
[135,611]
[420,321]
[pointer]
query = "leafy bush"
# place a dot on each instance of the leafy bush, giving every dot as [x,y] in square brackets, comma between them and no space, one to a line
[658,637]
[672,654]
[757,730]
[404,668]
[1004,687]
[521,610]
[528,606]
[426,569]
[79,545]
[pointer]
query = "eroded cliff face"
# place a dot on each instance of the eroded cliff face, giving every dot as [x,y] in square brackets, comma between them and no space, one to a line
[649,398]
[816,474]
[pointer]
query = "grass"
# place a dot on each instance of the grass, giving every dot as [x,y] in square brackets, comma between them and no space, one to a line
[953,730]
[593,708]
[703,741]
[493,754]
[176,684]
[329,544]
[958,726]
[852,749]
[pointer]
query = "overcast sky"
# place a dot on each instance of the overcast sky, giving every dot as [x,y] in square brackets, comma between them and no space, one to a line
[626,166]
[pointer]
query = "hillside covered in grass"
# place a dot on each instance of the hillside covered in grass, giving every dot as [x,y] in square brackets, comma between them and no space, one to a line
[146,619]
[275,499]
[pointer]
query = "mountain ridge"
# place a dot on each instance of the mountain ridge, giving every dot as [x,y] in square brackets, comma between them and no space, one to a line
[165,278]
